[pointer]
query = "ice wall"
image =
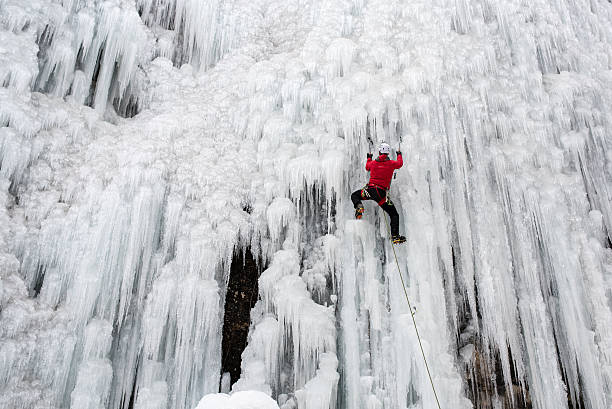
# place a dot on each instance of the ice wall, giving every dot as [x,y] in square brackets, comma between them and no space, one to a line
[254,120]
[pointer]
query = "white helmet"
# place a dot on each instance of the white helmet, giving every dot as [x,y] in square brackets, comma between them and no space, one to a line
[384,148]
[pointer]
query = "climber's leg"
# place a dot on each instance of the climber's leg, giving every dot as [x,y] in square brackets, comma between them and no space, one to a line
[390,209]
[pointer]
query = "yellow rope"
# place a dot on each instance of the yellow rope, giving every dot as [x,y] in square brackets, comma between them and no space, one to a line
[399,271]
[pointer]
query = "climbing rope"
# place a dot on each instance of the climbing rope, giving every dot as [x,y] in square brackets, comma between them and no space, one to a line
[399,272]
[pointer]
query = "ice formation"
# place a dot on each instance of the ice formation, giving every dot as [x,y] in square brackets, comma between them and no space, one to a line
[143,143]
[238,400]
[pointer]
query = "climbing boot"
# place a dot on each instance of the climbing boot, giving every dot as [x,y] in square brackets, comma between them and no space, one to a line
[397,239]
[359,211]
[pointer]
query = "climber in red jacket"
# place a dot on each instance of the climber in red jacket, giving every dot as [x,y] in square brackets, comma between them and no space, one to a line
[381,172]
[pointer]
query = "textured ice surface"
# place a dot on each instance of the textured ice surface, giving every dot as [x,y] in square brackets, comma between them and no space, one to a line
[253,120]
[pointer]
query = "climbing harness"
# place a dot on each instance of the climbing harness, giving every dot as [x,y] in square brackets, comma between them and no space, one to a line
[359,212]
[412,313]
[365,194]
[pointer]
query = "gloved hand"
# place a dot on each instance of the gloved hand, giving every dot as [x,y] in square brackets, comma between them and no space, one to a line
[398,152]
[369,156]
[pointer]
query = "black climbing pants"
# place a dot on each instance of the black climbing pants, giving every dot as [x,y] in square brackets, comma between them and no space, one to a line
[379,195]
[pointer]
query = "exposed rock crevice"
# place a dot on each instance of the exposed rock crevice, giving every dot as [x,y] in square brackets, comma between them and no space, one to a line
[241,296]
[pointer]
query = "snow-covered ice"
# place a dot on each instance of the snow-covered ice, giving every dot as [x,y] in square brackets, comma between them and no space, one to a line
[238,400]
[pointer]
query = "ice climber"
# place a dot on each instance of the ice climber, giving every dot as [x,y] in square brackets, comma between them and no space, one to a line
[381,172]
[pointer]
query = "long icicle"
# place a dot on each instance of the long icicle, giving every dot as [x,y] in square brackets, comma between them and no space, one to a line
[399,272]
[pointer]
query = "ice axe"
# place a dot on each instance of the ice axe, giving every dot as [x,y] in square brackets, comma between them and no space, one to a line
[370,143]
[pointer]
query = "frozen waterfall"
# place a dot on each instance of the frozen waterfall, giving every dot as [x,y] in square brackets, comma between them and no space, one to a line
[146,143]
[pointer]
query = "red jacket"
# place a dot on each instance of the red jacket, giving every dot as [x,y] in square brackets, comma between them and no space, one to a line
[381,170]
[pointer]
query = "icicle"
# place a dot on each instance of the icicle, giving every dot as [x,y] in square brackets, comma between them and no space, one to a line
[320,391]
[285,262]
[95,371]
[354,123]
[333,164]
[302,174]
[260,359]
[175,333]
[280,214]
[340,53]
[310,325]
[18,62]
